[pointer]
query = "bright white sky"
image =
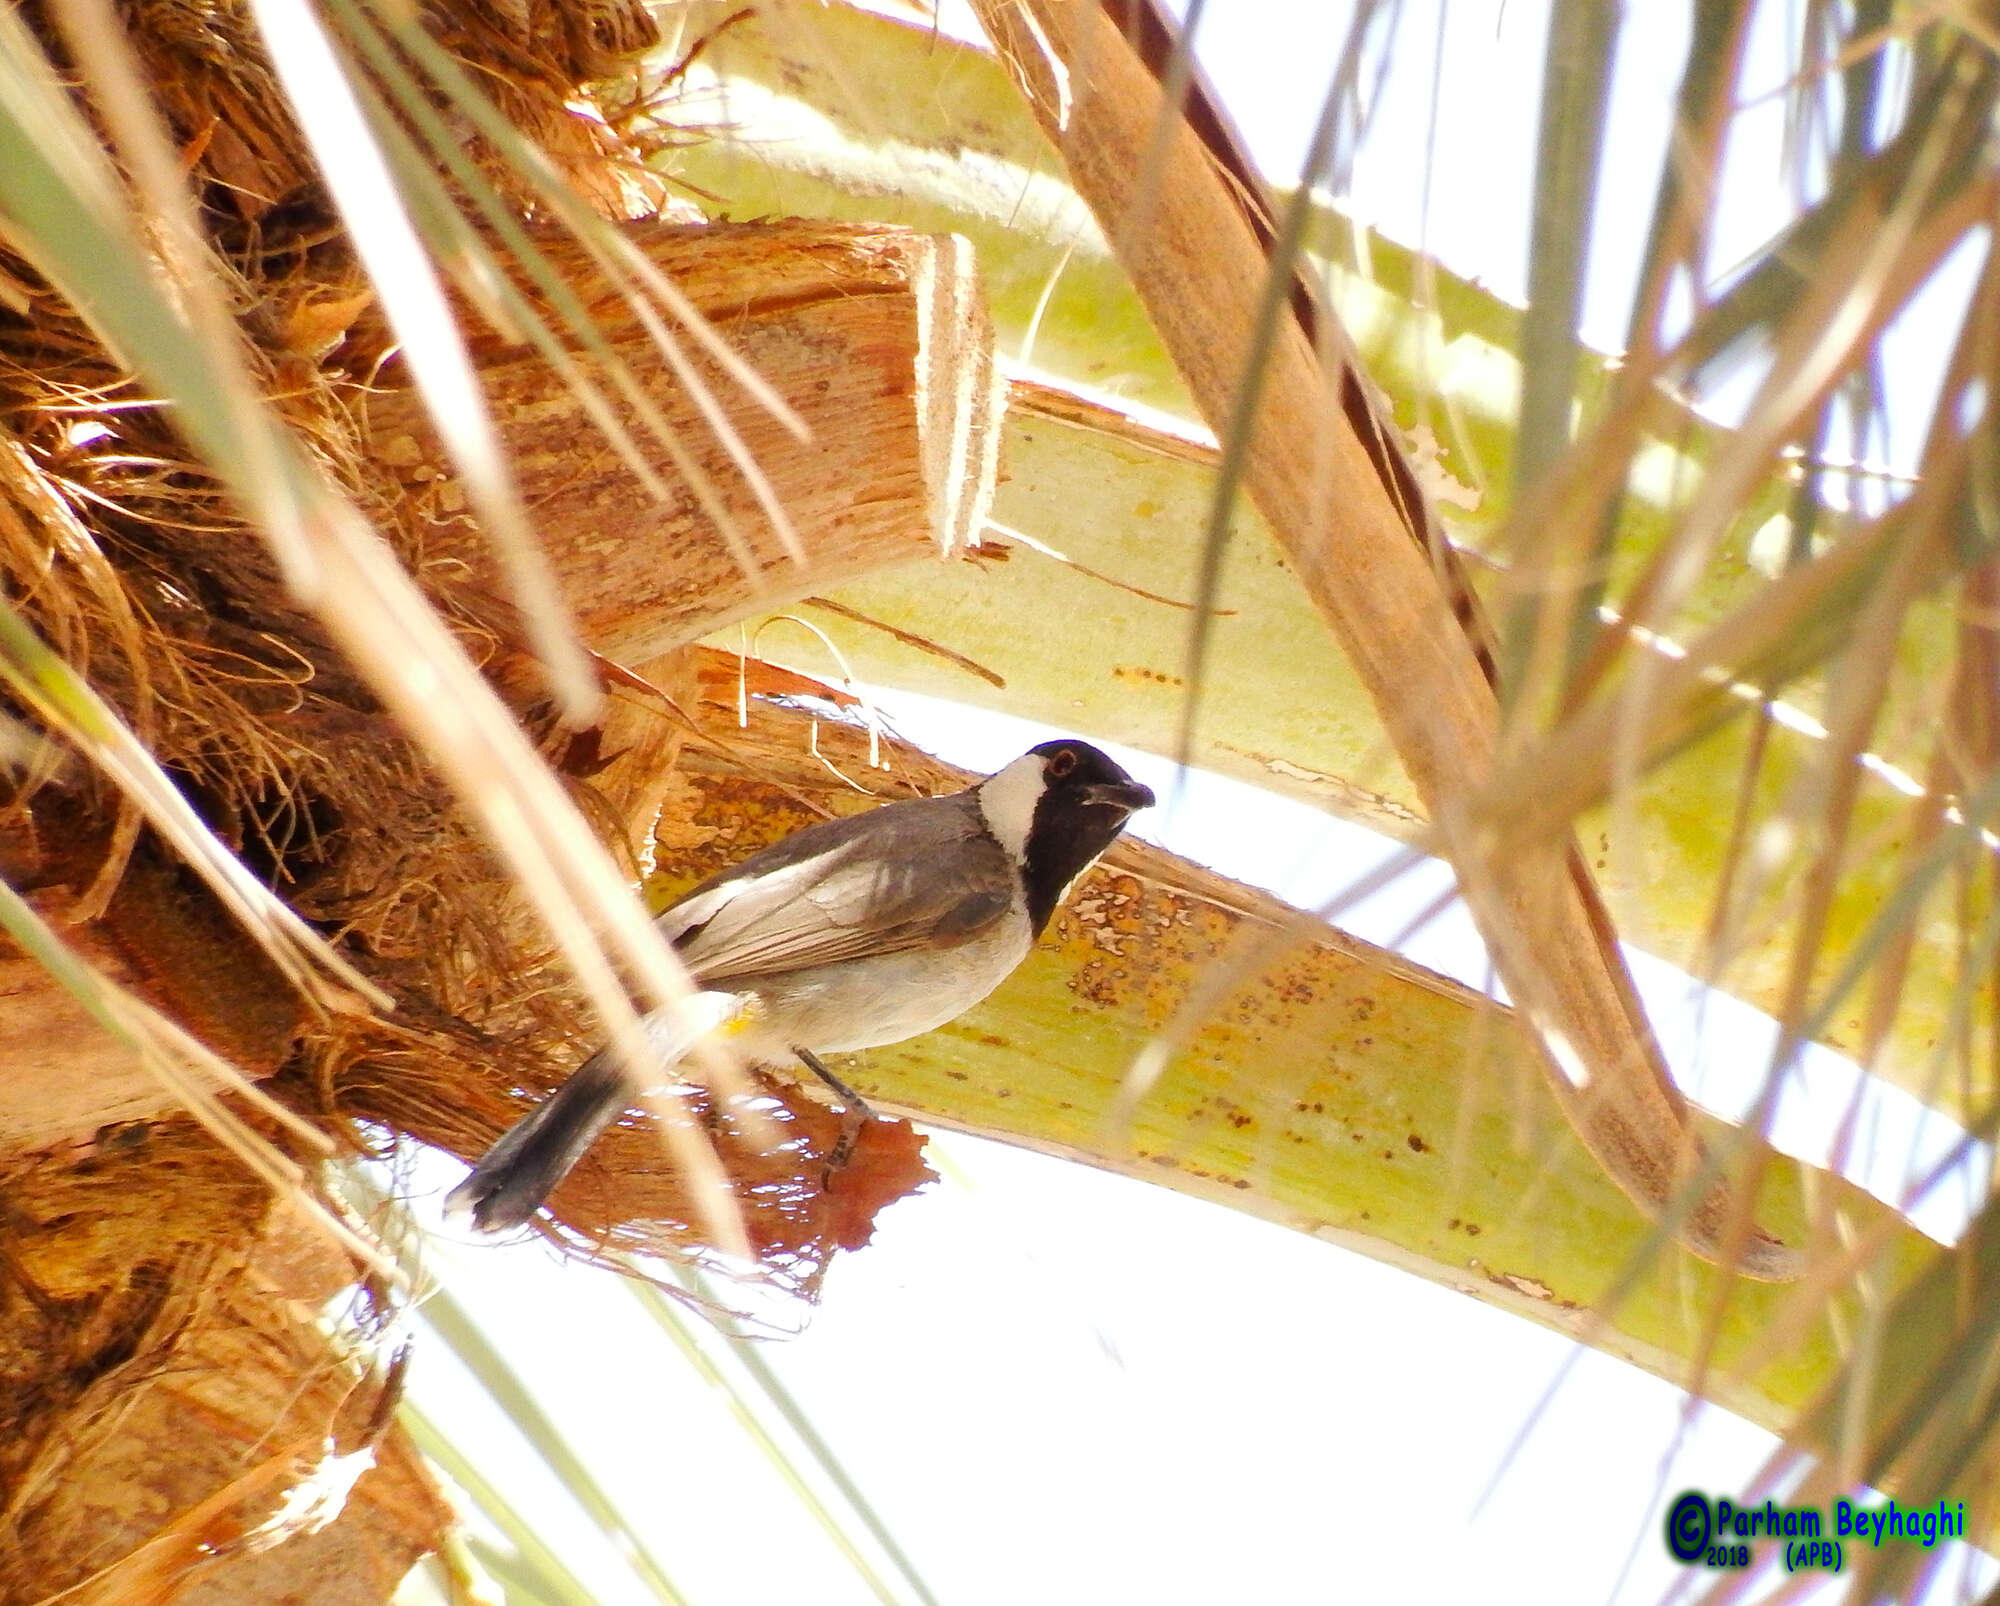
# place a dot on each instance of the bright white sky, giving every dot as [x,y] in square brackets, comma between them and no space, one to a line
[1063,1387]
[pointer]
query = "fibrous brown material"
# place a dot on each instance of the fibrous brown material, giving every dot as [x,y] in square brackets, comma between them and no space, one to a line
[166,1361]
[873,335]
[139,1295]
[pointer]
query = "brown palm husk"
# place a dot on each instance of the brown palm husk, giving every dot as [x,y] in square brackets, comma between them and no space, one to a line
[136,1261]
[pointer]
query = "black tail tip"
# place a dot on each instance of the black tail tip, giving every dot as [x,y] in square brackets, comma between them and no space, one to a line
[488,1204]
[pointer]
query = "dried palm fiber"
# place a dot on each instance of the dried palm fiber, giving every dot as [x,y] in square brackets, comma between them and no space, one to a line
[235,689]
[143,1238]
[154,1370]
[179,1355]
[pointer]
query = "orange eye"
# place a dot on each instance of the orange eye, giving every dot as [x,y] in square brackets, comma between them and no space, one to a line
[1063,762]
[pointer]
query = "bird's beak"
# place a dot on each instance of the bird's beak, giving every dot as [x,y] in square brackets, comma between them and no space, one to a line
[1126,795]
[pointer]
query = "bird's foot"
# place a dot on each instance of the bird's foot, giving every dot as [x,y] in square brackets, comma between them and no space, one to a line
[855,1114]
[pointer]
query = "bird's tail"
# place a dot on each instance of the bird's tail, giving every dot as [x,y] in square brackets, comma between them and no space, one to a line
[516,1175]
[536,1152]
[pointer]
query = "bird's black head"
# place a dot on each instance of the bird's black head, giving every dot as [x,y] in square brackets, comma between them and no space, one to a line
[1056,808]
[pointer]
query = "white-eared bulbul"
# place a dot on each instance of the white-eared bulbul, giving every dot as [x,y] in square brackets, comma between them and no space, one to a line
[849,934]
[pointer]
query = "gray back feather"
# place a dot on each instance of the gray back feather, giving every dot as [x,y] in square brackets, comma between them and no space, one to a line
[925,871]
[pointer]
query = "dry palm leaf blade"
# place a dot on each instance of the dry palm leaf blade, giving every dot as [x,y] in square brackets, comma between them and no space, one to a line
[1199,241]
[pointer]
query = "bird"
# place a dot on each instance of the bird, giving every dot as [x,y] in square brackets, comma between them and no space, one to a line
[850,934]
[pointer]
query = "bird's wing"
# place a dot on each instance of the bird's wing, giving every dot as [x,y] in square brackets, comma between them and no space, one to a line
[923,872]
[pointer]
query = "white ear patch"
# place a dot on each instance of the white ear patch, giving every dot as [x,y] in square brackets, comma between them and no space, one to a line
[1007,799]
